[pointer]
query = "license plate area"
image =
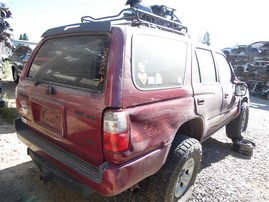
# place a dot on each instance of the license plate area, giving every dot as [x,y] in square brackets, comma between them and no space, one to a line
[49,117]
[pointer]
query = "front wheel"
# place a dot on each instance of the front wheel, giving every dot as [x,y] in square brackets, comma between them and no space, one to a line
[175,180]
[15,75]
[238,126]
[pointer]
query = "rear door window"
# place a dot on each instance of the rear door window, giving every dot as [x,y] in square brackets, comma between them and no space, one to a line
[158,62]
[76,62]
[206,65]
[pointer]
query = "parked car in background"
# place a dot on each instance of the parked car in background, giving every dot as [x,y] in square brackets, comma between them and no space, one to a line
[19,58]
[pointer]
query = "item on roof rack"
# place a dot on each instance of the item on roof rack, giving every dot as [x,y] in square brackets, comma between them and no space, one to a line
[165,12]
[136,4]
[139,17]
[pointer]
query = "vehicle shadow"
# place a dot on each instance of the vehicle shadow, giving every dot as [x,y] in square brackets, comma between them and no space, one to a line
[6,128]
[22,183]
[215,150]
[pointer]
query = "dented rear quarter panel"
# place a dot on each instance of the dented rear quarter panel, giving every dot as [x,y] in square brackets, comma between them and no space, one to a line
[154,115]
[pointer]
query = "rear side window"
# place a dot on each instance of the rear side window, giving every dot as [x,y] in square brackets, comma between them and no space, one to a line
[158,62]
[77,62]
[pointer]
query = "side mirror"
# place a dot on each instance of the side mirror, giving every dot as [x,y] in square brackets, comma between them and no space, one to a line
[241,89]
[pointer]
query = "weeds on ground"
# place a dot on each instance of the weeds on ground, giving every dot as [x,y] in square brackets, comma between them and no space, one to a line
[6,69]
[6,113]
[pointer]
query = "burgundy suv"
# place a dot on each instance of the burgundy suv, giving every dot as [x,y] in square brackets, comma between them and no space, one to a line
[107,103]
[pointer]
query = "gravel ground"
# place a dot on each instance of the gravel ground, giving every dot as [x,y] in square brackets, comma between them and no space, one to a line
[228,176]
[224,175]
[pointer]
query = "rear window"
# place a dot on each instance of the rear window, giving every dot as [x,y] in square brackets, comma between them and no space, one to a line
[76,62]
[22,53]
[158,62]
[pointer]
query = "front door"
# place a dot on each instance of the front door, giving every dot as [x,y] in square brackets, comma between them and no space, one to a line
[229,99]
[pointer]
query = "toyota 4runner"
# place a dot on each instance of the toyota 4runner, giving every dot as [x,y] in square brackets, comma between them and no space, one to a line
[109,102]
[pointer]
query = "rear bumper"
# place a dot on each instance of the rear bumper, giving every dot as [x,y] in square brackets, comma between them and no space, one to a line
[107,179]
[50,172]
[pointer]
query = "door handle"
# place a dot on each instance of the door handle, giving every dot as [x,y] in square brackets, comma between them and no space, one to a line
[226,95]
[200,101]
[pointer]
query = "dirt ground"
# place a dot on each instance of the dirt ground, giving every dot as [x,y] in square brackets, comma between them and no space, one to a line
[19,177]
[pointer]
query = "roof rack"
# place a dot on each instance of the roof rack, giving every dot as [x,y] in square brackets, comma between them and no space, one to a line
[139,17]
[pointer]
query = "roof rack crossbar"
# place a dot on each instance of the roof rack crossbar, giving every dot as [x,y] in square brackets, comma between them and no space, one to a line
[86,19]
[140,17]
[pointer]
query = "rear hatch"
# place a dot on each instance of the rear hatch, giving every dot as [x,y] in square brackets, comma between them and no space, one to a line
[61,93]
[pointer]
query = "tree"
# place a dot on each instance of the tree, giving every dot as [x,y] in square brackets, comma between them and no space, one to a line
[5,28]
[24,37]
[206,39]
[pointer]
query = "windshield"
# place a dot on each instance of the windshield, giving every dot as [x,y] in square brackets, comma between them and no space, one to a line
[77,61]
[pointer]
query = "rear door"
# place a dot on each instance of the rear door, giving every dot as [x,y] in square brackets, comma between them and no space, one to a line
[207,90]
[63,93]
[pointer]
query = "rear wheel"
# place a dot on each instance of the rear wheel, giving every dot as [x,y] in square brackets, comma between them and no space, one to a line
[175,180]
[238,126]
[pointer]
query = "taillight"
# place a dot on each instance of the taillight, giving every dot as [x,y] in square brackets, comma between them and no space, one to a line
[116,131]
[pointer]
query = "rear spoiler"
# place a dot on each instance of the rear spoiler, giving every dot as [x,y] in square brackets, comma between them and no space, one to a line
[104,26]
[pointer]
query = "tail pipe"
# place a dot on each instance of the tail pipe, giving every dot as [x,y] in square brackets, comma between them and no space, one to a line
[135,189]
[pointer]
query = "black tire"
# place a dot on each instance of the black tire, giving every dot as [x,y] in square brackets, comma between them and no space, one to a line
[243,146]
[175,179]
[238,126]
[15,75]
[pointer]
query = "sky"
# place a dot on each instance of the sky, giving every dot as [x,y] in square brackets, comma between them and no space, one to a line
[228,22]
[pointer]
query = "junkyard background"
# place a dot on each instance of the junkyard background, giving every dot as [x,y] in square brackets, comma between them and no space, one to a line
[251,64]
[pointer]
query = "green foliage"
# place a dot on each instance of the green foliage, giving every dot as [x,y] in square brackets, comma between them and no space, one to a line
[6,66]
[24,37]
[6,113]
[206,39]
[5,27]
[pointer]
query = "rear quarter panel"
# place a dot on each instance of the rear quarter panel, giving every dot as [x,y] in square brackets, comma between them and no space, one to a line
[155,115]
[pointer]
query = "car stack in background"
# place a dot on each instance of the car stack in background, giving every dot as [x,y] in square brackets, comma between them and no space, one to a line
[251,64]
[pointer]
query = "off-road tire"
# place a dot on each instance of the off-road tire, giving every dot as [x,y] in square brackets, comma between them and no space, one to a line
[236,128]
[243,146]
[183,160]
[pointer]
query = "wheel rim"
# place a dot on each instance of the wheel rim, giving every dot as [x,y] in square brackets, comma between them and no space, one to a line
[184,177]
